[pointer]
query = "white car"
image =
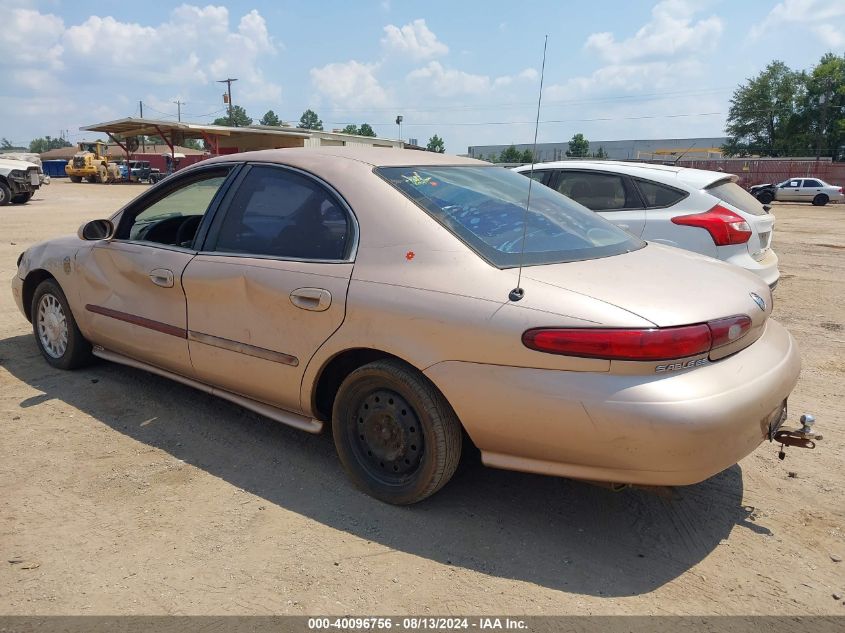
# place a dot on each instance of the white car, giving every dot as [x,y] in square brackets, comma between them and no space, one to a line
[697,210]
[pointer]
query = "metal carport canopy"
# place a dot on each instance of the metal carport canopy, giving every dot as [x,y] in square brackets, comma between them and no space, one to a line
[130,126]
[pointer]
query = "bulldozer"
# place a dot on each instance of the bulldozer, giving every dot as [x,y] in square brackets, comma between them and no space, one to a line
[92,163]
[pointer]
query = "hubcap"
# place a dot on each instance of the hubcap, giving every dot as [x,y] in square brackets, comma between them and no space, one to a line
[388,438]
[52,326]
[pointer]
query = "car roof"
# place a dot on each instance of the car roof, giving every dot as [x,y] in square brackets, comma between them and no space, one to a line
[375,156]
[698,178]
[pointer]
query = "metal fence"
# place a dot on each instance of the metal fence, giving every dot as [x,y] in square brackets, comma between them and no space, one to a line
[755,171]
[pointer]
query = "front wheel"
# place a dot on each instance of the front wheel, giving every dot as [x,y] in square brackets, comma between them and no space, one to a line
[58,337]
[820,200]
[765,197]
[396,435]
[5,193]
[75,178]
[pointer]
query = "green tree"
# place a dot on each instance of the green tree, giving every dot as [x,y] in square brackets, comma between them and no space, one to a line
[527,156]
[239,118]
[366,130]
[192,143]
[579,147]
[270,118]
[600,154]
[824,107]
[41,145]
[510,155]
[763,114]
[436,144]
[310,121]
[5,144]
[350,129]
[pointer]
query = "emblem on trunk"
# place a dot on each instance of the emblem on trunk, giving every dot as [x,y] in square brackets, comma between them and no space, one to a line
[761,303]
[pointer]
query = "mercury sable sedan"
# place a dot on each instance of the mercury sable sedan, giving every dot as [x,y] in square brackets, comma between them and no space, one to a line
[408,298]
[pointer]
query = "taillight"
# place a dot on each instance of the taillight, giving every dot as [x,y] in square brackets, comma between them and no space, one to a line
[638,344]
[724,226]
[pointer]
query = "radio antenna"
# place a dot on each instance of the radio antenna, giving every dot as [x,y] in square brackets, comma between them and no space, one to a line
[518,293]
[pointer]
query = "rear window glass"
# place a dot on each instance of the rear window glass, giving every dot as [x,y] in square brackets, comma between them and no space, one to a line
[735,195]
[485,208]
[657,195]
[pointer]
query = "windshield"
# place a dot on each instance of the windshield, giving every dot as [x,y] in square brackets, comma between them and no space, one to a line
[733,194]
[485,208]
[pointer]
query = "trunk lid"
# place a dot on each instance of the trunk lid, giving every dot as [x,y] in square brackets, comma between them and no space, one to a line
[665,286]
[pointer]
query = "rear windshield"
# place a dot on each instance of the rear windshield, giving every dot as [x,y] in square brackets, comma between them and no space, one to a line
[732,193]
[485,208]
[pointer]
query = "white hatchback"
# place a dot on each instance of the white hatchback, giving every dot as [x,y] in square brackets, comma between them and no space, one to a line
[697,210]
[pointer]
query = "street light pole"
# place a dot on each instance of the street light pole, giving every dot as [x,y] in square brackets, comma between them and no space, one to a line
[228,83]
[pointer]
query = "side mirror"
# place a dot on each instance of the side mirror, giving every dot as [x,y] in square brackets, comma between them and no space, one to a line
[96,230]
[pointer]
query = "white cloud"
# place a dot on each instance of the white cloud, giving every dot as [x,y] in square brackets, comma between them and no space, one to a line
[414,40]
[813,15]
[350,84]
[670,32]
[446,82]
[30,38]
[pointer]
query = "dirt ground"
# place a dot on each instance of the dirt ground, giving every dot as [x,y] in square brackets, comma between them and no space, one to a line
[124,493]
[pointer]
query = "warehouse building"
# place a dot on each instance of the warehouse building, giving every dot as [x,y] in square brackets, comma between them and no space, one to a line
[636,149]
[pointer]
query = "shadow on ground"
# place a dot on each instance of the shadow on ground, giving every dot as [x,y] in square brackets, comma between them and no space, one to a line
[557,533]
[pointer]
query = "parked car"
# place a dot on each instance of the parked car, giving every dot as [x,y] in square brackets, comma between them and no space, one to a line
[19,180]
[139,169]
[701,211]
[813,190]
[383,292]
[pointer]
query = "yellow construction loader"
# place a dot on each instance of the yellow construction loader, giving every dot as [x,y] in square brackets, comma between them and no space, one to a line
[92,163]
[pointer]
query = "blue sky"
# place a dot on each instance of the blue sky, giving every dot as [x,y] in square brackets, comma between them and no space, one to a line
[466,70]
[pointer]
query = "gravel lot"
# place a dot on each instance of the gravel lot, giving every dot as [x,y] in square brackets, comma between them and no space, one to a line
[123,493]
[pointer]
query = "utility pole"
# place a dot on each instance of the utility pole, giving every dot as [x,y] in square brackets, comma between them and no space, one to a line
[228,83]
[399,120]
[141,107]
[179,105]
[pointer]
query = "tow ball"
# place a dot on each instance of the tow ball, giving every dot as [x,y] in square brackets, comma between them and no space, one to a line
[804,437]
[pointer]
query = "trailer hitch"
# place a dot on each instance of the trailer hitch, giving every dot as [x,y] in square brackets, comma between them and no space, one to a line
[804,437]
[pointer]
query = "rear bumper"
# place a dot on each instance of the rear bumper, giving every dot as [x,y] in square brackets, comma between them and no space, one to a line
[642,429]
[766,268]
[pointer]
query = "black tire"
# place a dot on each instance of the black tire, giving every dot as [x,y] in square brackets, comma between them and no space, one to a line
[5,194]
[22,198]
[765,197]
[820,200]
[77,351]
[395,433]
[75,178]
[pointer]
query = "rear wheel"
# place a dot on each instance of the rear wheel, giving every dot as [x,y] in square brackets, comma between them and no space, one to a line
[22,198]
[395,434]
[5,194]
[765,197]
[75,178]
[58,337]
[821,200]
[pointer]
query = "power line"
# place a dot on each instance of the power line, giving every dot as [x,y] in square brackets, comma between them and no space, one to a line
[589,120]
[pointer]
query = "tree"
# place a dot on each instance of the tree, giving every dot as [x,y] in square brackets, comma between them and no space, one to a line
[350,129]
[436,144]
[762,117]
[192,143]
[600,154]
[270,118]
[579,147]
[527,156]
[824,107]
[5,144]
[41,145]
[510,155]
[310,121]
[239,118]
[366,130]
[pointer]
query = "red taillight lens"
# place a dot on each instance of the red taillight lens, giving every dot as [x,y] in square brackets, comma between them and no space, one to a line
[727,331]
[639,345]
[724,226]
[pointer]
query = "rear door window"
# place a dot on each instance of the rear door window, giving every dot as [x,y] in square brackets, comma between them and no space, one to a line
[733,194]
[598,191]
[657,195]
[812,183]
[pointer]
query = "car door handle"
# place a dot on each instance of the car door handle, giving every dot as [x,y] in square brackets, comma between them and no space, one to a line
[162,277]
[315,299]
